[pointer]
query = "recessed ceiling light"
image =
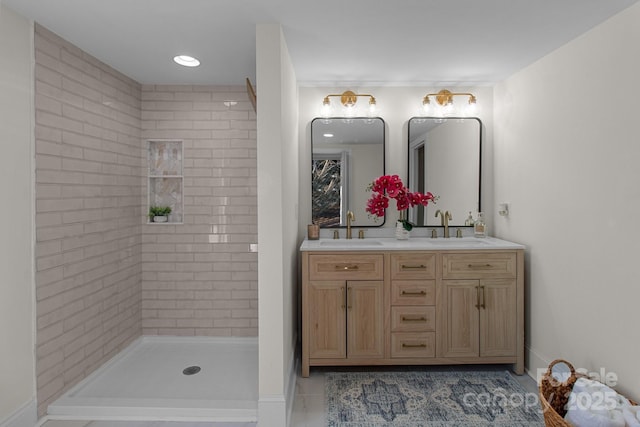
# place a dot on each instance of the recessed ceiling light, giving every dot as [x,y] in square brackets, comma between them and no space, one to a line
[186,60]
[328,135]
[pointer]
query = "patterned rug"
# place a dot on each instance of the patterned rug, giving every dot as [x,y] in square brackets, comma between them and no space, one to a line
[429,399]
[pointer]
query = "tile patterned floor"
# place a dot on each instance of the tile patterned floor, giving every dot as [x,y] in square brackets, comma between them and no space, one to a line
[309,405]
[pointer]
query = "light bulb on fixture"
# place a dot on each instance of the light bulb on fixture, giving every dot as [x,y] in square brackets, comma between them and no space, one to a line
[372,107]
[426,106]
[471,110]
[472,106]
[350,110]
[325,111]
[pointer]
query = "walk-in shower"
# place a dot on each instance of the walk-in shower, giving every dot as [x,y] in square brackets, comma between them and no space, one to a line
[170,378]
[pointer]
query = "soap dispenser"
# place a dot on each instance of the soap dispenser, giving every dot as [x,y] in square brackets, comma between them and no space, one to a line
[469,221]
[479,226]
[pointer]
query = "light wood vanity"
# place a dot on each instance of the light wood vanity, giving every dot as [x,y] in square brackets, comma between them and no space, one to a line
[418,302]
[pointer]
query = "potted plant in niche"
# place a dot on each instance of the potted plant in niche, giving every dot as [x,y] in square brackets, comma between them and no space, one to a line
[159,213]
[391,187]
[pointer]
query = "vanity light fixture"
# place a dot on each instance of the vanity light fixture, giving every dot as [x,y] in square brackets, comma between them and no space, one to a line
[348,99]
[444,98]
[186,60]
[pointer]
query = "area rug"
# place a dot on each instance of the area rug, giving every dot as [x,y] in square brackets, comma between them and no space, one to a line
[429,399]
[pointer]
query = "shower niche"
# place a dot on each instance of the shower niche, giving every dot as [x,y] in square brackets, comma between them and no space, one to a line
[165,178]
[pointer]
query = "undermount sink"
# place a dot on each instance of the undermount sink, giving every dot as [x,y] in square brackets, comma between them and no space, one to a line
[350,242]
[466,241]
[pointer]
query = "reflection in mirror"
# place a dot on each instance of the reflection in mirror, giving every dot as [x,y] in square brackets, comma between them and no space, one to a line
[347,154]
[444,158]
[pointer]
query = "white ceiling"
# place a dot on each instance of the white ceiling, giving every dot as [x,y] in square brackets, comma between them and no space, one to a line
[331,42]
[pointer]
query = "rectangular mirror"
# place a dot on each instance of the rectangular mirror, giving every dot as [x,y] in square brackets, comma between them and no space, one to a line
[347,154]
[445,159]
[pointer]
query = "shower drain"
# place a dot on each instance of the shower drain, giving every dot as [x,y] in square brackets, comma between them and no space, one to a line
[191,370]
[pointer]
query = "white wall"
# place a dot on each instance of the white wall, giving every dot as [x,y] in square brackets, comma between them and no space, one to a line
[567,158]
[396,105]
[277,218]
[17,382]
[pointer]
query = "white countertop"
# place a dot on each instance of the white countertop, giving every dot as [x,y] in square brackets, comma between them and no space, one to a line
[412,244]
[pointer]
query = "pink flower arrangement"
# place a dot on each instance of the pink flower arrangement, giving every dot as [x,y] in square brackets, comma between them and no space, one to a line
[391,187]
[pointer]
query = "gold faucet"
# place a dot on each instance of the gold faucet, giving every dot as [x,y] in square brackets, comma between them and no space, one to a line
[444,221]
[350,217]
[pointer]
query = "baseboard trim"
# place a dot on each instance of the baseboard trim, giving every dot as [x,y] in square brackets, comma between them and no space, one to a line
[272,411]
[25,416]
[277,410]
[290,392]
[537,364]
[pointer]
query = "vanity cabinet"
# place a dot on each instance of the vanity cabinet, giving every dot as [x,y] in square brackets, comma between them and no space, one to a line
[479,298]
[346,319]
[412,307]
[344,307]
[479,318]
[413,299]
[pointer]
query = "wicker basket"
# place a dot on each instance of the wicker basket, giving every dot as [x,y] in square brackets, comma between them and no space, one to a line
[554,395]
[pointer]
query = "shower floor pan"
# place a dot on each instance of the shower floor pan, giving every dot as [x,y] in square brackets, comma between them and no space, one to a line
[145,381]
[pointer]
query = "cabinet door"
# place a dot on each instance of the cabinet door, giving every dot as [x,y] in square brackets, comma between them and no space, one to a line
[460,320]
[365,333]
[498,318]
[326,304]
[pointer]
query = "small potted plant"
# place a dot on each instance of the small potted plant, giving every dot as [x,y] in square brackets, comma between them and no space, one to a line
[159,213]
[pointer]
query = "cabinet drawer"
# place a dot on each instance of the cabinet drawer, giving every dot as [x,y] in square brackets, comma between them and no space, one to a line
[473,266]
[413,292]
[413,344]
[412,319]
[413,266]
[346,267]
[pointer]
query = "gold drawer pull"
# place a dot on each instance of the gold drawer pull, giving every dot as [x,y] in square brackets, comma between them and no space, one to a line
[413,345]
[407,267]
[479,266]
[413,293]
[346,267]
[413,319]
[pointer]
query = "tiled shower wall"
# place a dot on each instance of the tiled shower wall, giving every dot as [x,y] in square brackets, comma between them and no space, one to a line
[200,278]
[89,202]
[103,276]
